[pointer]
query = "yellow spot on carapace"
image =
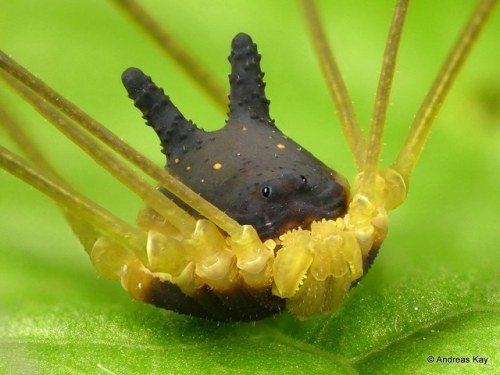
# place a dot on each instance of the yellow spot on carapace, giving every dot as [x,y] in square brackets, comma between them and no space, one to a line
[281,146]
[217,166]
[177,160]
[244,128]
[188,168]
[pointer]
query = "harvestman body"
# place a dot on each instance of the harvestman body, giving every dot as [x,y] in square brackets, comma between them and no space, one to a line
[247,223]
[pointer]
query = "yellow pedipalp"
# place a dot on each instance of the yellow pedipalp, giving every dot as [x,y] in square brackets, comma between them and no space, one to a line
[292,262]
[254,258]
[108,258]
[165,254]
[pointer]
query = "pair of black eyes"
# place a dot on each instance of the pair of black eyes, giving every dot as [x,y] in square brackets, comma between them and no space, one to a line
[267,190]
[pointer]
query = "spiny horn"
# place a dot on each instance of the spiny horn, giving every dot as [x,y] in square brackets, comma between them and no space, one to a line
[247,97]
[158,110]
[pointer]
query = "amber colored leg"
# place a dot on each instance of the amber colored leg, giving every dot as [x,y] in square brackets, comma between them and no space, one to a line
[336,85]
[175,50]
[422,124]
[130,237]
[80,118]
[371,165]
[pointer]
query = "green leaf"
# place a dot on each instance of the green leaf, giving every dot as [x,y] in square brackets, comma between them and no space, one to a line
[433,289]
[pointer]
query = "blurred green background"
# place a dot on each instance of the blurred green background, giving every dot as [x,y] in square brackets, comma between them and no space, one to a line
[449,225]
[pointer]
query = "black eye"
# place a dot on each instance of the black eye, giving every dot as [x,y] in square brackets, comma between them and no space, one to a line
[266,191]
[304,179]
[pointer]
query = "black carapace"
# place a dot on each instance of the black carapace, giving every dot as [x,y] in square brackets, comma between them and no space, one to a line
[249,168]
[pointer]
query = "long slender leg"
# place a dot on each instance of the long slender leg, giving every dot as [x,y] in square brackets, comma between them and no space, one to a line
[370,167]
[24,142]
[169,182]
[130,237]
[422,124]
[171,47]
[183,221]
[84,230]
[336,86]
